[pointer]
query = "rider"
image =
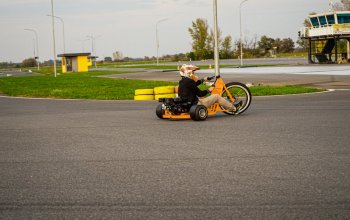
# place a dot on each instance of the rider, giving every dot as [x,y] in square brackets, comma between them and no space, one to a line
[189,92]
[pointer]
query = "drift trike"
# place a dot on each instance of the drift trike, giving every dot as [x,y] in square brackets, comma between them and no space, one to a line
[235,92]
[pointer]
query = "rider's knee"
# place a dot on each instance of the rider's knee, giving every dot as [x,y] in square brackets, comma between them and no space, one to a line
[216,96]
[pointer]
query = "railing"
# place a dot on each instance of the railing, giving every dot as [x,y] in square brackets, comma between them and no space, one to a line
[325,30]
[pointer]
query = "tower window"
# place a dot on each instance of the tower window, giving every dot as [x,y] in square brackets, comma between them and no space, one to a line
[343,18]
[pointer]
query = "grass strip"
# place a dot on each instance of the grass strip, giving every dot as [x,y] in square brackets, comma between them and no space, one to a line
[85,86]
[281,90]
[75,87]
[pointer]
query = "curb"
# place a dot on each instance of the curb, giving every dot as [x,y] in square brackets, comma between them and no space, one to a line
[60,99]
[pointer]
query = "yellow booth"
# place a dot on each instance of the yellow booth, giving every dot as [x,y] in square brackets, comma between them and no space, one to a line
[76,62]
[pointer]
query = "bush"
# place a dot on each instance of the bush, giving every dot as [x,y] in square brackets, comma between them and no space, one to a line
[30,62]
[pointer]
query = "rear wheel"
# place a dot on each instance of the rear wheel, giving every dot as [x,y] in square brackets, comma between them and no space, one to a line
[198,112]
[239,92]
[160,111]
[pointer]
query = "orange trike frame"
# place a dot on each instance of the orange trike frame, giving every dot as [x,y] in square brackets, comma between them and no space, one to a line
[212,110]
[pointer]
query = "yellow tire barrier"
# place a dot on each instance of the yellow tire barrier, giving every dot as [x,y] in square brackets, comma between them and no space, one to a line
[172,95]
[144,92]
[143,97]
[164,90]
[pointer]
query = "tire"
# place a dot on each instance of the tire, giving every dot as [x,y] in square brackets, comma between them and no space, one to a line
[144,92]
[164,90]
[241,93]
[160,111]
[143,97]
[198,112]
[157,97]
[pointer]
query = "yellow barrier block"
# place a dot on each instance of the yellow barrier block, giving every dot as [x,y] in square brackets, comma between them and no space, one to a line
[164,90]
[172,95]
[144,92]
[143,97]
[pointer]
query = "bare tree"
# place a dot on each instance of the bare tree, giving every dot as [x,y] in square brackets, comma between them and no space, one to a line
[338,6]
[346,4]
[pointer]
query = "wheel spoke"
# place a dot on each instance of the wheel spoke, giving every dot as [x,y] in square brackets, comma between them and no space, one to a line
[240,93]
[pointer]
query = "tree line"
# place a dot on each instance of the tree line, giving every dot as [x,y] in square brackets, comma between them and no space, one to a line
[203,44]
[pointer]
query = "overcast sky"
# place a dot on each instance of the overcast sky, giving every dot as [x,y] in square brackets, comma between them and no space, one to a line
[129,26]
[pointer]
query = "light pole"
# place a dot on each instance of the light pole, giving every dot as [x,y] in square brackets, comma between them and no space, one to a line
[64,36]
[83,44]
[37,45]
[240,27]
[157,37]
[216,41]
[93,52]
[54,39]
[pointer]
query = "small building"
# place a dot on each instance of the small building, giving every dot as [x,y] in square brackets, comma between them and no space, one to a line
[328,37]
[76,62]
[118,56]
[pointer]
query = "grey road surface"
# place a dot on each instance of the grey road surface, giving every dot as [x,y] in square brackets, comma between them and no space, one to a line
[287,157]
[320,76]
[259,61]
[15,74]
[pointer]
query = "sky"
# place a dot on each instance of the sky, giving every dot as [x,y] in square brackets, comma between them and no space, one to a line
[129,26]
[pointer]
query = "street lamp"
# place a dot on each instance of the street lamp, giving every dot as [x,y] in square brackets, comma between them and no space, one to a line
[37,45]
[54,40]
[240,27]
[93,52]
[83,44]
[157,37]
[64,36]
[216,39]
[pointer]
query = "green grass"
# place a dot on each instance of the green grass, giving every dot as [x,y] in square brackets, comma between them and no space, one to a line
[86,86]
[292,55]
[47,70]
[74,87]
[50,71]
[281,90]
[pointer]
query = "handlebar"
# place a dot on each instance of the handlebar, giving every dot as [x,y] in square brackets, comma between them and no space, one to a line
[210,78]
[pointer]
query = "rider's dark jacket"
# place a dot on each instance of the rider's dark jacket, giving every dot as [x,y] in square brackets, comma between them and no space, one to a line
[188,90]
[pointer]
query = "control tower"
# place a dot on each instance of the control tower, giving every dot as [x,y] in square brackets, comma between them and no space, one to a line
[328,37]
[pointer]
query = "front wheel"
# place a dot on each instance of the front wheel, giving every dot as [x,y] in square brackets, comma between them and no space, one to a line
[239,92]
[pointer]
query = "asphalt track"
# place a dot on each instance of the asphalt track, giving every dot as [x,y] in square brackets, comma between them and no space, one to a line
[320,76]
[287,157]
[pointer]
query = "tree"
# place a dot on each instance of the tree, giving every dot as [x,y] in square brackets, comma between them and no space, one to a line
[266,43]
[346,4]
[226,46]
[302,43]
[277,43]
[286,46]
[211,43]
[30,62]
[199,34]
[108,59]
[191,56]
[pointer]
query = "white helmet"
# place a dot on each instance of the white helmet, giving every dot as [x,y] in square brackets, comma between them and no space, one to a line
[187,70]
